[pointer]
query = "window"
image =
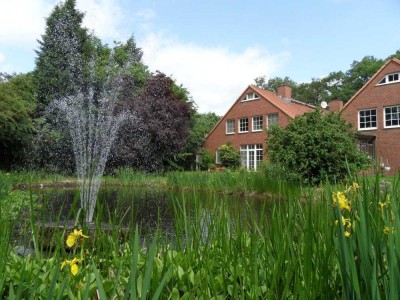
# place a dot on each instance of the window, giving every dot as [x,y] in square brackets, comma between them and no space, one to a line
[367,119]
[251,156]
[366,144]
[230,126]
[392,116]
[243,125]
[272,119]
[390,78]
[251,96]
[257,123]
[217,158]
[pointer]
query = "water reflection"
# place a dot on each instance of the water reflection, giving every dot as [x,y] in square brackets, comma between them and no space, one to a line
[149,208]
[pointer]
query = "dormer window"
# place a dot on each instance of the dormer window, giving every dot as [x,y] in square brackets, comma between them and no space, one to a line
[251,96]
[390,78]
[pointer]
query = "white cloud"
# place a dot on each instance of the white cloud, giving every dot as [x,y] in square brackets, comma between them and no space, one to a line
[215,77]
[23,21]
[104,17]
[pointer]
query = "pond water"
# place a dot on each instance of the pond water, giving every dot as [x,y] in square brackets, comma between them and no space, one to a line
[147,208]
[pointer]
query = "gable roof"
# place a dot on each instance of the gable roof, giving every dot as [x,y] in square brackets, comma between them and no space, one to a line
[290,107]
[371,79]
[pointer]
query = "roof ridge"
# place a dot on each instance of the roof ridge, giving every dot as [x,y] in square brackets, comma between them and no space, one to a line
[291,99]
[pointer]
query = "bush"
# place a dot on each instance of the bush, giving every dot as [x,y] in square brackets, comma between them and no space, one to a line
[206,160]
[316,146]
[229,156]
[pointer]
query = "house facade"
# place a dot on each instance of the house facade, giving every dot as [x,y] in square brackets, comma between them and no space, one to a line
[374,112]
[244,125]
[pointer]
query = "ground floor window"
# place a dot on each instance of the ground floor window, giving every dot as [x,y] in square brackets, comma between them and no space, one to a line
[366,144]
[251,156]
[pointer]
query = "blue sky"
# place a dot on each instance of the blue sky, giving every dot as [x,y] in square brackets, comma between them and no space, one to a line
[216,48]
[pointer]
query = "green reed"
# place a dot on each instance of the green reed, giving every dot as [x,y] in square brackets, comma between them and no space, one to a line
[296,248]
[240,181]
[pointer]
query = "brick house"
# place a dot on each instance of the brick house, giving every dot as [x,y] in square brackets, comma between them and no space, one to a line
[375,113]
[243,126]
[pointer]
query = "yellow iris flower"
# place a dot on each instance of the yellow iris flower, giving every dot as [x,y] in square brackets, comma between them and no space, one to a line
[73,265]
[387,230]
[74,237]
[344,203]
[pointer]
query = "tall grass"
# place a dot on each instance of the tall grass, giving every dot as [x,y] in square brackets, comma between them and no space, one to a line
[296,250]
[130,177]
[242,181]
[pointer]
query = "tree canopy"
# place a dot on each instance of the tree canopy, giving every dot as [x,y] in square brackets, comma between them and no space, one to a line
[336,85]
[17,106]
[160,128]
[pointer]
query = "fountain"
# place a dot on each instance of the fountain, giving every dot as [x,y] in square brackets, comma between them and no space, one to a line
[93,125]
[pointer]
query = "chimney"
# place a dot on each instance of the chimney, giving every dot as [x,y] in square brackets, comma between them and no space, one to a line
[285,91]
[335,105]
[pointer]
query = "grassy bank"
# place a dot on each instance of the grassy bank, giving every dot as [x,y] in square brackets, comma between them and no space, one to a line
[339,242]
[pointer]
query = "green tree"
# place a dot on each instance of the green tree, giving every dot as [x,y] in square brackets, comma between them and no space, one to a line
[337,85]
[359,73]
[229,156]
[315,146]
[313,92]
[17,105]
[62,64]
[200,125]
[273,83]
[63,51]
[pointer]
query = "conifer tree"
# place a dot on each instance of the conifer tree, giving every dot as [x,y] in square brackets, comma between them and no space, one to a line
[63,50]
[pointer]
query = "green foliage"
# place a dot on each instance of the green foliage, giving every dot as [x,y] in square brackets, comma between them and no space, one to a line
[273,83]
[224,253]
[361,71]
[207,160]
[63,51]
[200,125]
[337,85]
[17,106]
[229,156]
[314,147]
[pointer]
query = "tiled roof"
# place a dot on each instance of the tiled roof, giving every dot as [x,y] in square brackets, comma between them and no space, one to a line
[370,80]
[291,107]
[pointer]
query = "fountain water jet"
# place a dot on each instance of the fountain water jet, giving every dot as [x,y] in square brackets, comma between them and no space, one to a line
[93,126]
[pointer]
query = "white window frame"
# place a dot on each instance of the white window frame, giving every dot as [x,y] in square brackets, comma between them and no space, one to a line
[251,156]
[228,127]
[386,78]
[270,115]
[250,96]
[240,127]
[359,119]
[260,123]
[384,116]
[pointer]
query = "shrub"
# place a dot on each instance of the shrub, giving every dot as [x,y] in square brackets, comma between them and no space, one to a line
[316,146]
[229,156]
[207,160]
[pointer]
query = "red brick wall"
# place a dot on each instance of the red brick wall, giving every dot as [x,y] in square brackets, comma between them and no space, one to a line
[387,144]
[239,110]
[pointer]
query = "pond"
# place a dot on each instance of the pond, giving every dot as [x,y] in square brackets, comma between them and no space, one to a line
[147,208]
